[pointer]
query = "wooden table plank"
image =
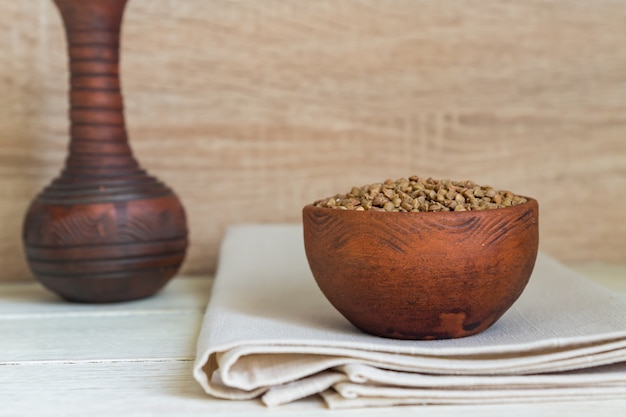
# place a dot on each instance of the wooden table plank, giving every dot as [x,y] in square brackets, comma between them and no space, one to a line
[100,338]
[30,299]
[43,328]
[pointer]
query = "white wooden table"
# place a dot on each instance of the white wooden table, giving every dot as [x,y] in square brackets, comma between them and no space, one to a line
[135,359]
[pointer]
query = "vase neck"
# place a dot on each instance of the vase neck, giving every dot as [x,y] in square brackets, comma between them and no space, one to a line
[91,14]
[99,142]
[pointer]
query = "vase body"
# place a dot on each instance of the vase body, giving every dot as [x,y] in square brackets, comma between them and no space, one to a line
[103,230]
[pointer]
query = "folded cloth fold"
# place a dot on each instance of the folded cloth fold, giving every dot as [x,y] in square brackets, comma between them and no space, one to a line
[269,332]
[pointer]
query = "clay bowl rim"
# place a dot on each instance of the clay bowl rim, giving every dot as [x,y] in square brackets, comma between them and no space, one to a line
[529,200]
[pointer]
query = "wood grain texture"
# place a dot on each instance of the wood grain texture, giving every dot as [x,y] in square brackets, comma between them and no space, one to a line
[251,110]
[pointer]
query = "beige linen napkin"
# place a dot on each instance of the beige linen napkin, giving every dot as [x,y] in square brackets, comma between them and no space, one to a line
[269,332]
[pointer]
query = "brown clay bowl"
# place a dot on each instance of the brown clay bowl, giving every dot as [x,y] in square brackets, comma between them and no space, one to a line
[422,275]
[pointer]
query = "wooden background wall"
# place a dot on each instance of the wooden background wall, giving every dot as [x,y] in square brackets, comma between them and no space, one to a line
[251,109]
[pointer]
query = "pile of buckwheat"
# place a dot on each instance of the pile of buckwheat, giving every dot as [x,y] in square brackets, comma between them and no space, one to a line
[418,194]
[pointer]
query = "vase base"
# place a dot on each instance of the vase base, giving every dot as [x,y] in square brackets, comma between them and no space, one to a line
[97,289]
